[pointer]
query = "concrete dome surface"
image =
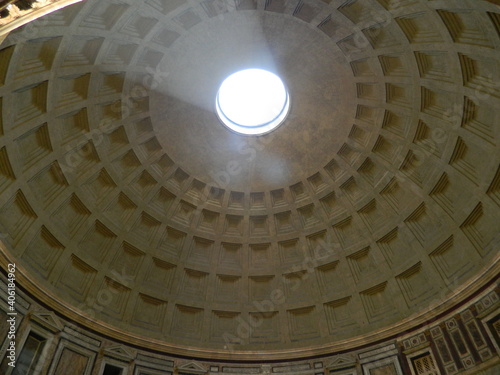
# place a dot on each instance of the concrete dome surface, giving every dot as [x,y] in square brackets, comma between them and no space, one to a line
[130,209]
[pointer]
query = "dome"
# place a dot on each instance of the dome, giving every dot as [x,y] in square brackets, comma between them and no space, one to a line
[130,209]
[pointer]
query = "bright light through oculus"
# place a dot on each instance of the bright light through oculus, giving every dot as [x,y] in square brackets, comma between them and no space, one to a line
[252,102]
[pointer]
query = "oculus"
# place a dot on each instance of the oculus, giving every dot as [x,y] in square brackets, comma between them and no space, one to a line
[252,102]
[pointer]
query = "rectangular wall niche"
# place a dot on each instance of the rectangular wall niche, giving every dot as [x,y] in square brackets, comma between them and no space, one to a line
[424,365]
[112,370]
[30,355]
[381,361]
[386,366]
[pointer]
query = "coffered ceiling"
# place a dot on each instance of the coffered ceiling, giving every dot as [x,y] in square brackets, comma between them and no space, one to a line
[131,209]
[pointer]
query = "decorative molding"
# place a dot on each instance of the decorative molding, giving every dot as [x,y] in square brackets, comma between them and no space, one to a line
[119,352]
[341,362]
[40,8]
[191,368]
[48,320]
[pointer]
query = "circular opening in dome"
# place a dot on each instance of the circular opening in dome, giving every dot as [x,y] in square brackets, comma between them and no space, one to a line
[252,102]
